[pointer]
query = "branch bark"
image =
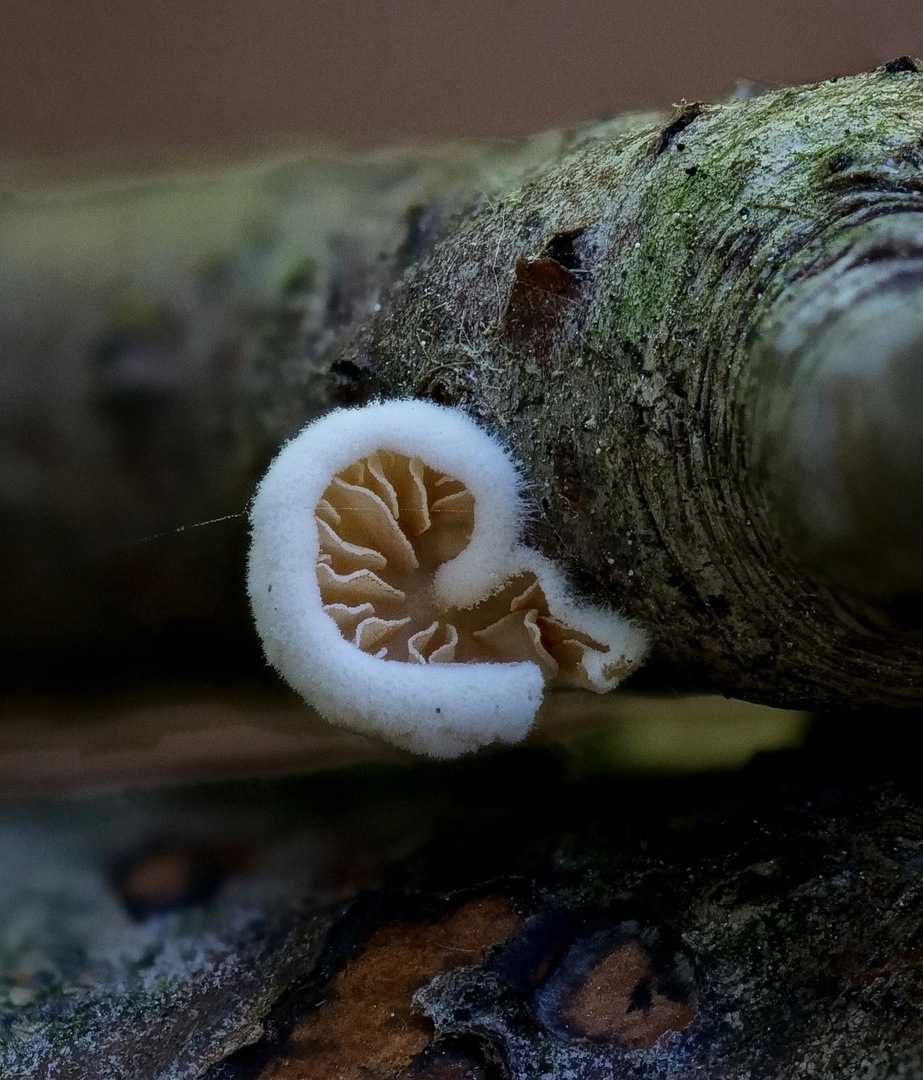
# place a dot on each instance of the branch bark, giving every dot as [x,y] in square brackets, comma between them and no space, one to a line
[701,333]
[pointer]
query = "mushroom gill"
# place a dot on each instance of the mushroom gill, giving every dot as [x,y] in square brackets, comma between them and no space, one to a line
[386,523]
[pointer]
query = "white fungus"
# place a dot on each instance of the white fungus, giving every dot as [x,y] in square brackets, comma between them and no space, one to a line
[390,588]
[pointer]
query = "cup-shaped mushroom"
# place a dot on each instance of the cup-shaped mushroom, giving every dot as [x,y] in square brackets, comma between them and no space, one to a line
[390,589]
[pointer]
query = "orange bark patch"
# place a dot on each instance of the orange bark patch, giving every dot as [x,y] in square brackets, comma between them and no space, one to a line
[174,875]
[367,1029]
[618,1000]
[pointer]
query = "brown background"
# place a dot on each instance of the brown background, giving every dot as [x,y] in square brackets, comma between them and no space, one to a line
[118,76]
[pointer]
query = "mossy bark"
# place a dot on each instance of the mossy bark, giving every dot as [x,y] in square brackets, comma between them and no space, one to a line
[641,310]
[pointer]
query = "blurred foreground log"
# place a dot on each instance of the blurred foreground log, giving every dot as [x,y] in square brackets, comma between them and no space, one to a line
[496,920]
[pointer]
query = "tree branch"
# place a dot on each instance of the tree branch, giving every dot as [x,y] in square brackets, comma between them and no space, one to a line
[699,332]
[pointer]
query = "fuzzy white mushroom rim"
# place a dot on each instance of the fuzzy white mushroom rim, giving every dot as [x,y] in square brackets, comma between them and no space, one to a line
[390,588]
